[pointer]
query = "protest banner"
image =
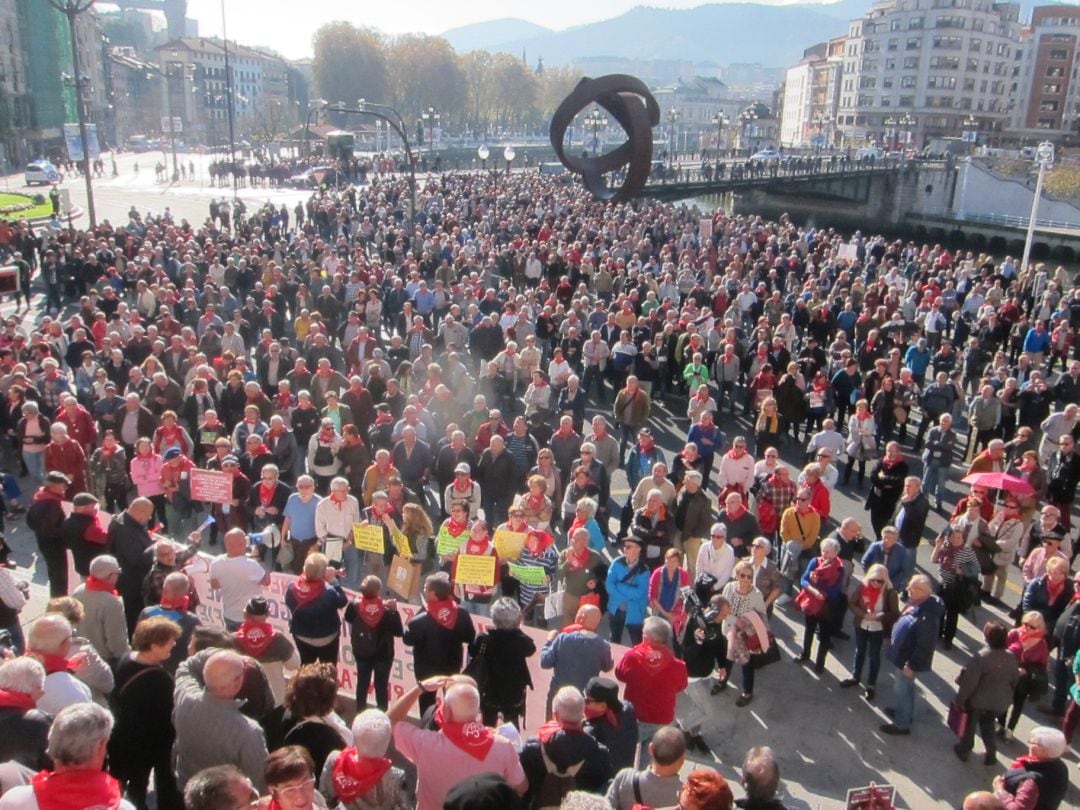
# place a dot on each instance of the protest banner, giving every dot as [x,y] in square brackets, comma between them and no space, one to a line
[446,544]
[528,574]
[475,569]
[368,538]
[401,543]
[509,544]
[211,486]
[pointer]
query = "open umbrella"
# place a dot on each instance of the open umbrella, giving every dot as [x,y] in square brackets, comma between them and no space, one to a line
[998,480]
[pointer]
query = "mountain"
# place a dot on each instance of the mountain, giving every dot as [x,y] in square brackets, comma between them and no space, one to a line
[481,36]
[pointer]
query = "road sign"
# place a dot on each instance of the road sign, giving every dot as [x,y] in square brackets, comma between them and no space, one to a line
[172,126]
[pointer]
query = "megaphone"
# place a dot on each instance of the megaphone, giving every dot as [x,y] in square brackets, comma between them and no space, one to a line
[269,537]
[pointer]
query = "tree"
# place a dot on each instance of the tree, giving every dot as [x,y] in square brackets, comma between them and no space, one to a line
[476,70]
[514,91]
[349,64]
[425,72]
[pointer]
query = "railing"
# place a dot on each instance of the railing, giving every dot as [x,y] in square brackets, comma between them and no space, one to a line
[1000,219]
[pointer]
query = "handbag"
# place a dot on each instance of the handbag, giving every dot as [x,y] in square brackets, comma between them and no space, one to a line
[958,719]
[479,668]
[767,518]
[765,657]
[553,604]
[809,603]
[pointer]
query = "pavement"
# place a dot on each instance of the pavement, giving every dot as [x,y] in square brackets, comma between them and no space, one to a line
[827,739]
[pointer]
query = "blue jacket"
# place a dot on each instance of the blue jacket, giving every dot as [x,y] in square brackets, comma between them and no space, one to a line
[633,595]
[915,634]
[899,565]
[1036,341]
[832,594]
[917,361]
[639,464]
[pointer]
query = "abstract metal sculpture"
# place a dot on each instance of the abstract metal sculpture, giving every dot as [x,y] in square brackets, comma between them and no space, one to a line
[630,103]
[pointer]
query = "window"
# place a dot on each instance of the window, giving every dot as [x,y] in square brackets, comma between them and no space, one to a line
[1051,89]
[975,44]
[887,83]
[1048,106]
[915,23]
[945,62]
[906,101]
[892,45]
[969,85]
[1046,123]
[972,65]
[911,63]
[867,83]
[907,81]
[1059,54]
[1055,72]
[913,44]
[941,82]
[949,21]
[948,43]
[890,64]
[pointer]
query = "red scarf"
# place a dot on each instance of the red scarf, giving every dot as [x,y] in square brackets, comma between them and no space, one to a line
[371,611]
[535,502]
[869,595]
[571,628]
[179,604]
[354,776]
[454,528]
[549,729]
[538,542]
[284,401]
[466,488]
[254,637]
[606,713]
[444,612]
[95,584]
[474,738]
[1021,763]
[266,493]
[575,560]
[79,789]
[17,700]
[54,663]
[307,590]
[1052,591]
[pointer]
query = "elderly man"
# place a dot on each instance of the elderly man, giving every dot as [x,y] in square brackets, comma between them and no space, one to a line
[335,516]
[78,741]
[210,730]
[938,457]
[462,747]
[564,745]
[1054,427]
[715,559]
[693,514]
[24,729]
[438,635]
[761,779]
[129,540]
[914,639]
[658,784]
[103,624]
[576,653]
[45,518]
[49,641]
[911,513]
[888,551]
[654,677]
[239,576]
[371,734]
[298,527]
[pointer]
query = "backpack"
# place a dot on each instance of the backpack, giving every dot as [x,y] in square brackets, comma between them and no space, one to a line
[556,783]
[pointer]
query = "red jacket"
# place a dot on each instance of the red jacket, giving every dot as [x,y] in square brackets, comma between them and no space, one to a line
[69,459]
[654,677]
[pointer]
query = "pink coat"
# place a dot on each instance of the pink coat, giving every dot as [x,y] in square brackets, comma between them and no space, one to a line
[146,475]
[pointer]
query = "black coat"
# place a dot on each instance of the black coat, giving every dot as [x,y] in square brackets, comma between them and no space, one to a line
[373,643]
[436,650]
[24,737]
[565,749]
[507,653]
[128,542]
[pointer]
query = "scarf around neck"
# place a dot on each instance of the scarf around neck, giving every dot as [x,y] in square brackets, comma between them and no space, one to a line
[371,610]
[473,737]
[354,776]
[78,789]
[254,637]
[444,612]
[307,590]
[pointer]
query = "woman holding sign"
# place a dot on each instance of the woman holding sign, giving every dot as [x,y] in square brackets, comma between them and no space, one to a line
[474,577]
[534,570]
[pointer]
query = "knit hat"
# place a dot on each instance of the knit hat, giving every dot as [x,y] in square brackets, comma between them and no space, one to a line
[171,453]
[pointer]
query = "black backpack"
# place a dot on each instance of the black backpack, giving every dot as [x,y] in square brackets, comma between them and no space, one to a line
[556,783]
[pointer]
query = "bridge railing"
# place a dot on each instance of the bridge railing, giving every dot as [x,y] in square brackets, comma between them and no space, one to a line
[1012,220]
[693,175]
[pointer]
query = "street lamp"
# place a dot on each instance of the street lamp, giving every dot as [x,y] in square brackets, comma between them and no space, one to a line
[673,116]
[1044,159]
[171,71]
[483,153]
[508,156]
[431,121]
[746,120]
[719,121]
[72,9]
[595,120]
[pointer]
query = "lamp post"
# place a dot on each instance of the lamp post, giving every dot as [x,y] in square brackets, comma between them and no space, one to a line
[746,120]
[483,153]
[171,71]
[1044,159]
[596,121]
[673,116]
[72,9]
[230,105]
[431,121]
[719,121]
[508,155]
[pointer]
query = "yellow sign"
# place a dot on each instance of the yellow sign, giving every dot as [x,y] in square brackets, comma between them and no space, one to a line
[509,544]
[368,538]
[446,544]
[401,543]
[475,569]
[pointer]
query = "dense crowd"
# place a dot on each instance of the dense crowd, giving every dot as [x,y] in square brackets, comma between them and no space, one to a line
[446,403]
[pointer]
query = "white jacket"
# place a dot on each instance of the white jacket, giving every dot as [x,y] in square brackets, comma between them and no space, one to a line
[737,472]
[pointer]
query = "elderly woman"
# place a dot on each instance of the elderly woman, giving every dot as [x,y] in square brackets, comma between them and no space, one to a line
[290,777]
[315,599]
[581,486]
[985,687]
[824,578]
[32,436]
[310,720]
[875,607]
[547,469]
[628,590]
[767,577]
[862,441]
[535,503]
[498,661]
[665,584]
[1039,779]
[1028,643]
[997,548]
[958,572]
[1035,564]
[743,598]
[585,517]
[322,455]
[361,776]
[374,624]
[1049,594]
[538,552]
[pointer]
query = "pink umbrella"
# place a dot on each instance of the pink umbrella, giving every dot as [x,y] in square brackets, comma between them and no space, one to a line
[998,480]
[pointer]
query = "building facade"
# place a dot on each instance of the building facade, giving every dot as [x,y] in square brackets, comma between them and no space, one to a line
[811,96]
[1046,92]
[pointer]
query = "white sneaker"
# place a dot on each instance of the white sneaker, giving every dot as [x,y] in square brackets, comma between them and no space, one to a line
[783,600]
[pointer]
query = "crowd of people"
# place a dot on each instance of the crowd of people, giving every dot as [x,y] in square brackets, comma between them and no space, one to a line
[465,388]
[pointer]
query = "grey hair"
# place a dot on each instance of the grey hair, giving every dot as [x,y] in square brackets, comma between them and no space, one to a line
[694,475]
[913,479]
[580,800]
[505,613]
[657,629]
[589,505]
[569,704]
[49,633]
[176,583]
[371,733]
[22,674]
[760,773]
[1051,740]
[830,543]
[77,731]
[655,493]
[588,446]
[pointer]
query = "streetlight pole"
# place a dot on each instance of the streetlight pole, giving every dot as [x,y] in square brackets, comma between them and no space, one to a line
[673,116]
[1044,159]
[720,122]
[508,155]
[431,119]
[595,119]
[229,105]
[72,9]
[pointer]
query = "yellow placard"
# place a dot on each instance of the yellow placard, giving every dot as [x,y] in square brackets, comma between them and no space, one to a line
[475,569]
[368,538]
[401,543]
[509,544]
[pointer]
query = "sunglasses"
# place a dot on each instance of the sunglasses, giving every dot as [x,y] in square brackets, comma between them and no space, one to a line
[745,576]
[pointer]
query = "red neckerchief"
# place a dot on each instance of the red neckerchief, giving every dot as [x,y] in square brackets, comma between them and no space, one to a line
[259,450]
[383,418]
[95,584]
[443,611]
[826,573]
[17,700]
[266,493]
[891,462]
[478,547]
[735,515]
[1053,593]
[1021,763]
[354,776]
[869,595]
[456,529]
[468,484]
[734,455]
[606,713]
[179,603]
[549,729]
[565,433]
[307,590]
[474,738]
[254,637]
[77,789]
[339,503]
[863,416]
[371,610]
[576,560]
[44,494]
[535,502]
[538,542]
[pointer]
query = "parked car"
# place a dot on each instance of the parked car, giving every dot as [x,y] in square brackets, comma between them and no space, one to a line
[767,154]
[41,171]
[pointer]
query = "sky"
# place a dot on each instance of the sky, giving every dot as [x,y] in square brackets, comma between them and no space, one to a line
[287,26]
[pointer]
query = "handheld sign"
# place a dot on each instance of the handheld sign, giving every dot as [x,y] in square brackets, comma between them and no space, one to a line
[368,538]
[528,574]
[211,486]
[509,544]
[401,543]
[446,544]
[475,569]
